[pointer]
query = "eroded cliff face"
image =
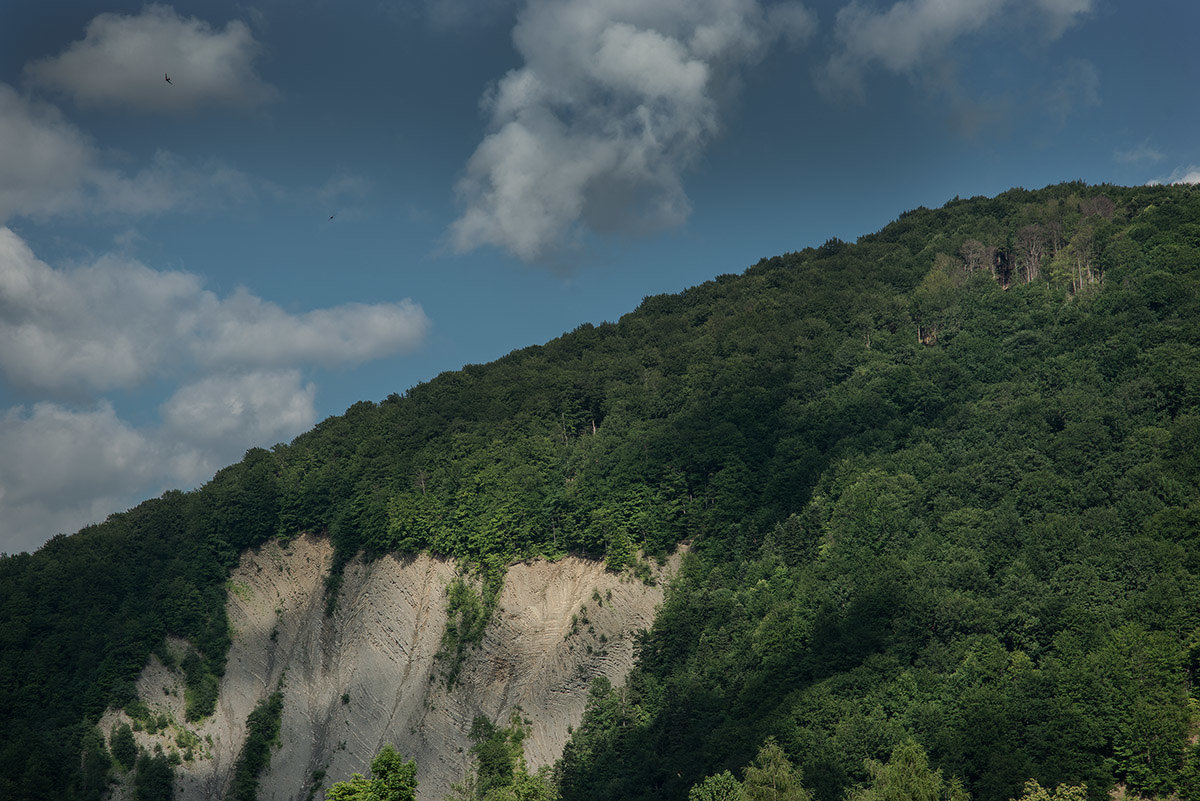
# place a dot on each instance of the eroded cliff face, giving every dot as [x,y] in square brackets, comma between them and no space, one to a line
[368,675]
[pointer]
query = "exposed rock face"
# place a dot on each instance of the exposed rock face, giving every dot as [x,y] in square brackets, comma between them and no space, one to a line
[369,676]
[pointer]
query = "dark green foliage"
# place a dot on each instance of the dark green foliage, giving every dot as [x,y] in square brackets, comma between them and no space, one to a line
[124,747]
[154,778]
[994,551]
[95,765]
[200,694]
[500,770]
[941,484]
[262,733]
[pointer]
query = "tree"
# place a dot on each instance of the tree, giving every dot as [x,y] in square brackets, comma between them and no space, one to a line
[155,778]
[124,747]
[722,787]
[1031,245]
[907,777]
[978,256]
[1098,206]
[392,779]
[772,778]
[1064,792]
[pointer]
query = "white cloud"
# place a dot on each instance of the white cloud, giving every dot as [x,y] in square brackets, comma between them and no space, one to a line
[1183,175]
[212,421]
[616,99]
[107,325]
[911,34]
[257,405]
[116,322]
[43,158]
[247,330]
[122,59]
[74,468]
[49,167]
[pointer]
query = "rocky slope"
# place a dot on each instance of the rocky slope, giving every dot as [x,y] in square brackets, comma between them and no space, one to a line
[369,675]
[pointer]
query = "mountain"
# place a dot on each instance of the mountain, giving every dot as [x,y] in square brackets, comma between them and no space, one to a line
[940,485]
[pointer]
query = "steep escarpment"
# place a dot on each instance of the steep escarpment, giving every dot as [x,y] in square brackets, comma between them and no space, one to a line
[369,674]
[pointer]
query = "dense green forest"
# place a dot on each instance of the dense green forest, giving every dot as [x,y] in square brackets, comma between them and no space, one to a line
[942,487]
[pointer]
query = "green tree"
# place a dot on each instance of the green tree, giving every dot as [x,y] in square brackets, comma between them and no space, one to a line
[1063,792]
[155,778]
[392,779]
[772,778]
[124,747]
[721,787]
[262,732]
[907,777]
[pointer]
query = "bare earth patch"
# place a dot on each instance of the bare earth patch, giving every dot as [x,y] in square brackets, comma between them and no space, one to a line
[369,676]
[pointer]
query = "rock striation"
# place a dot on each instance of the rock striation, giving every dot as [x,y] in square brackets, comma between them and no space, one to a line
[369,674]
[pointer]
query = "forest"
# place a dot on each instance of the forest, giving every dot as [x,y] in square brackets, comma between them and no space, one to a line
[941,488]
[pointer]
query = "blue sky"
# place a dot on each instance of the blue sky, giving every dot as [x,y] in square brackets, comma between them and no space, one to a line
[331,202]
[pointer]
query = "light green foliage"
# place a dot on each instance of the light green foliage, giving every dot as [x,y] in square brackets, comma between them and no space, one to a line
[771,777]
[1063,792]
[907,777]
[468,611]
[721,787]
[392,779]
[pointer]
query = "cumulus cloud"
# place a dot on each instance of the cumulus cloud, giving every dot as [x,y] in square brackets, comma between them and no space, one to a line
[116,322]
[210,422]
[75,467]
[98,327]
[74,333]
[122,59]
[616,99]
[247,330]
[49,167]
[911,34]
[1183,175]
[240,406]
[44,158]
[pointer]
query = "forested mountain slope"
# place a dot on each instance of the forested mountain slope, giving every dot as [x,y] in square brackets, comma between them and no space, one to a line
[942,483]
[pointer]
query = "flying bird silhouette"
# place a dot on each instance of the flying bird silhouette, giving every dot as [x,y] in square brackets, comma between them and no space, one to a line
[167,78]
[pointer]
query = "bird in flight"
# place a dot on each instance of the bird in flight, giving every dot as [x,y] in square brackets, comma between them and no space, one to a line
[167,78]
[331,216]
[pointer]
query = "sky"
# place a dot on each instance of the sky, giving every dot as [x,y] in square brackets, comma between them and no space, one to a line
[330,202]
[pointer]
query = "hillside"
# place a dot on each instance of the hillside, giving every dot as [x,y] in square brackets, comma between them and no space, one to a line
[942,484]
[369,675]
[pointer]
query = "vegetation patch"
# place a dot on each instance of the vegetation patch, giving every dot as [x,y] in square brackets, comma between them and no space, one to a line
[262,733]
[468,611]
